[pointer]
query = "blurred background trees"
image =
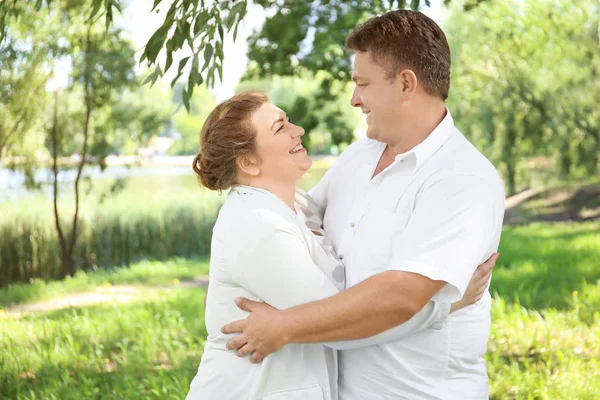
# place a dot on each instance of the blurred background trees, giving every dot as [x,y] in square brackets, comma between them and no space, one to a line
[75,90]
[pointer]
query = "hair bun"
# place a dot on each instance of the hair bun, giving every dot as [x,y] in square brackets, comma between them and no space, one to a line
[206,173]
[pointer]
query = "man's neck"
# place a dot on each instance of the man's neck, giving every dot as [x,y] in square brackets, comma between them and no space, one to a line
[426,118]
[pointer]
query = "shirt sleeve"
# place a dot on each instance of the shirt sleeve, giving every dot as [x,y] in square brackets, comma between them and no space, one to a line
[276,266]
[430,315]
[449,234]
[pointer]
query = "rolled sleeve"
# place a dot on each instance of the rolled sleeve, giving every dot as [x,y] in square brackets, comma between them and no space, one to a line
[449,233]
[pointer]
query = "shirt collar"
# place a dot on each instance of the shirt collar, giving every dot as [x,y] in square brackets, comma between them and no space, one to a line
[275,201]
[432,143]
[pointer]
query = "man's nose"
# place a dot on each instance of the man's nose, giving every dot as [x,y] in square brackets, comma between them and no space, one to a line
[355,99]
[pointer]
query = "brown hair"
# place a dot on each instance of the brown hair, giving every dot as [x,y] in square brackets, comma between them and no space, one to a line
[407,39]
[226,134]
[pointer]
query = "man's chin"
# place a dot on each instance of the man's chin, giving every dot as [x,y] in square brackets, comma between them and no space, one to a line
[372,134]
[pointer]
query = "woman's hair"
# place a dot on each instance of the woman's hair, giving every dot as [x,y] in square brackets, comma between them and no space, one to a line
[226,134]
[406,39]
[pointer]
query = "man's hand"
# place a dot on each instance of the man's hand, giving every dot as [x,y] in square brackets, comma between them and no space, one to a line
[477,285]
[261,334]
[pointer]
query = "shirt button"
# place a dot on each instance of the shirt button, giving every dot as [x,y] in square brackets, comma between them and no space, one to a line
[341,256]
[352,224]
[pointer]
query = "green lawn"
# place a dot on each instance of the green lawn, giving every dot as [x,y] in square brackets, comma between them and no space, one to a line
[544,344]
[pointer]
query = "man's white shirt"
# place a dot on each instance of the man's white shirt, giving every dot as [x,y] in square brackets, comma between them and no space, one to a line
[437,210]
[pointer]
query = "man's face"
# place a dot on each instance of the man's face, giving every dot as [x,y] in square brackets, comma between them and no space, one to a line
[378,98]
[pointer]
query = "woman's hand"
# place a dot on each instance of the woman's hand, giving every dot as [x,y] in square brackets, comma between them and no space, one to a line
[477,285]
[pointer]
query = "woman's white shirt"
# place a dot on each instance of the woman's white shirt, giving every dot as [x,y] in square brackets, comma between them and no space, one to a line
[261,250]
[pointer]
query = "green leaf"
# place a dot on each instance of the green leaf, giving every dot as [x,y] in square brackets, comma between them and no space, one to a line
[220,71]
[152,77]
[156,3]
[95,8]
[200,23]
[155,44]
[235,31]
[117,5]
[186,100]
[414,4]
[208,53]
[219,50]
[182,64]
[169,60]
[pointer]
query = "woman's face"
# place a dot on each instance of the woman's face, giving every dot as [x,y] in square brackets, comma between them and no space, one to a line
[283,159]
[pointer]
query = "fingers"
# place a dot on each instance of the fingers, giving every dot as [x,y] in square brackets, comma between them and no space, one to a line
[237,342]
[234,327]
[257,357]
[245,350]
[246,304]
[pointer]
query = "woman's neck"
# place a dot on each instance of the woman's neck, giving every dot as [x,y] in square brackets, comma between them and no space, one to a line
[285,192]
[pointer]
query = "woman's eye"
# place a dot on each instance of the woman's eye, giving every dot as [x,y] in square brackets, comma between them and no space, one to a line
[280,128]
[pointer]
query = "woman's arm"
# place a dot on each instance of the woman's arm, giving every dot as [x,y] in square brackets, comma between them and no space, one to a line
[278,269]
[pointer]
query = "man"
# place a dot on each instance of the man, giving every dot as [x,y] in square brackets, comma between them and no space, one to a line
[412,211]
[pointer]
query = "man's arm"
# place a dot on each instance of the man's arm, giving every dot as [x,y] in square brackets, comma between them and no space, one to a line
[457,211]
[368,308]
[432,313]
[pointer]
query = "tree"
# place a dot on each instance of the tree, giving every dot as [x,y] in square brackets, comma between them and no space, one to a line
[200,26]
[519,91]
[24,70]
[102,68]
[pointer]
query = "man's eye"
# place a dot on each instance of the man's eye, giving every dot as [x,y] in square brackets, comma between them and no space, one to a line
[280,128]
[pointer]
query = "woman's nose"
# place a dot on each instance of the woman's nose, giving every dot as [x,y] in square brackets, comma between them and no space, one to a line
[298,131]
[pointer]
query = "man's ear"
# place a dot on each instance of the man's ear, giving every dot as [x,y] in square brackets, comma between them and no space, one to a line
[248,164]
[408,82]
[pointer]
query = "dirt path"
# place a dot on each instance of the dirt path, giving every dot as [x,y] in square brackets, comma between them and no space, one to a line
[115,294]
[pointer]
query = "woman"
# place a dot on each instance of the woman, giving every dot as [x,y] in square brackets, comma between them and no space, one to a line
[268,245]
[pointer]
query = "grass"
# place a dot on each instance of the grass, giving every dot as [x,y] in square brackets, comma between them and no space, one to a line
[144,273]
[544,342]
[153,217]
[541,264]
[142,350]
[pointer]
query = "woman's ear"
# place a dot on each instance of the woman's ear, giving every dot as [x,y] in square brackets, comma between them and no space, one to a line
[248,164]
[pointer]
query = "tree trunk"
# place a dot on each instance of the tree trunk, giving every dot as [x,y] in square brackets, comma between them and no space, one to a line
[510,178]
[86,131]
[66,258]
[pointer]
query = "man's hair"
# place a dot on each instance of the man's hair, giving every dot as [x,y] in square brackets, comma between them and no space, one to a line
[405,39]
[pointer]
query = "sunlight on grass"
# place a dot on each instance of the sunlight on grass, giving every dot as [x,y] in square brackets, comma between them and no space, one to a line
[544,341]
[142,273]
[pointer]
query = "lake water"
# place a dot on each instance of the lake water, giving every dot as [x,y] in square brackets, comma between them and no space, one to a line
[12,183]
